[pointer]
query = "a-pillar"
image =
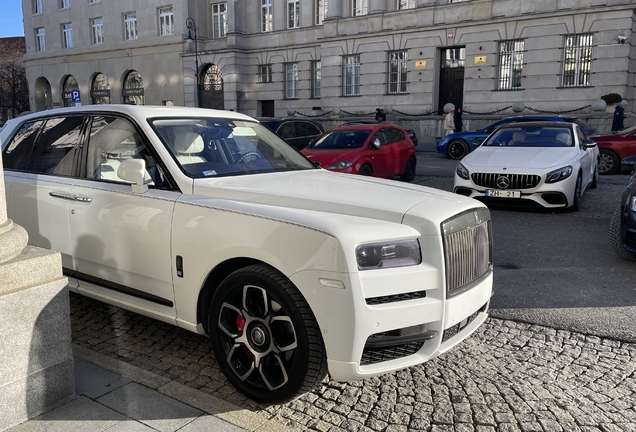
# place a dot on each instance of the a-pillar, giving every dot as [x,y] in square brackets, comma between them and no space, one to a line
[36,361]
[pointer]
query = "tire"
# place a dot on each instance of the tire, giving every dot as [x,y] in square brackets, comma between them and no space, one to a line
[366,170]
[615,237]
[576,202]
[608,162]
[409,170]
[457,149]
[265,336]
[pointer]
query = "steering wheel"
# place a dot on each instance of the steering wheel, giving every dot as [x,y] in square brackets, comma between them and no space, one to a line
[256,155]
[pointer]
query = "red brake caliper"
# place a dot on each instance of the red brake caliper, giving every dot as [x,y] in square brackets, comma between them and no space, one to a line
[240,325]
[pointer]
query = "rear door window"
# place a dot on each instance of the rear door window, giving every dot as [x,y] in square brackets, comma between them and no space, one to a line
[304,129]
[57,146]
[17,154]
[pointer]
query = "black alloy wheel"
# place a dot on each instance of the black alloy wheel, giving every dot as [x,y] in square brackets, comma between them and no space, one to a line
[457,149]
[265,336]
[409,170]
[576,203]
[608,162]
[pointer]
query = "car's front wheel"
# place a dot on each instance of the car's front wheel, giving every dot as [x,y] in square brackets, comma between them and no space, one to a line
[409,170]
[366,170]
[615,237]
[608,162]
[576,200]
[265,336]
[457,149]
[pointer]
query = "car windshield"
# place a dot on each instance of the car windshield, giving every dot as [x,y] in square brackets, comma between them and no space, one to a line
[342,139]
[531,136]
[216,147]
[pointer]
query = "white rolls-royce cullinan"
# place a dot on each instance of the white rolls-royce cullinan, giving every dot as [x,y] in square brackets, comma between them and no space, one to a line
[207,220]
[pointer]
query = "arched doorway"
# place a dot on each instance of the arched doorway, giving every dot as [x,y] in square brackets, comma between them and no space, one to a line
[211,88]
[133,91]
[43,99]
[100,89]
[69,83]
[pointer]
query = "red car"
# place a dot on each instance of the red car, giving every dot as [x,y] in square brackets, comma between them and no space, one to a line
[614,148]
[379,150]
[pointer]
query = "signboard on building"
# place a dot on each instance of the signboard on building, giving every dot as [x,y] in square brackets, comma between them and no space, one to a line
[480,60]
[100,93]
[133,92]
[420,64]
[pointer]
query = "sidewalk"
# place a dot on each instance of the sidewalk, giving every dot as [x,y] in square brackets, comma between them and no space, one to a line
[115,396]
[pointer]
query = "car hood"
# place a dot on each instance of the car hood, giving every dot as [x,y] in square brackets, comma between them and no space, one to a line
[327,157]
[329,192]
[465,135]
[520,157]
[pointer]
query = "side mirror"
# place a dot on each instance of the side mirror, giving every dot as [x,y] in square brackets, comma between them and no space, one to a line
[376,143]
[588,143]
[134,171]
[478,141]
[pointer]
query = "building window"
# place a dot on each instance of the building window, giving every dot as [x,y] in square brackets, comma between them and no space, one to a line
[100,90]
[130,26]
[293,13]
[40,40]
[359,7]
[315,78]
[291,81]
[267,18]
[97,29]
[510,64]
[67,35]
[133,90]
[265,73]
[320,12]
[219,20]
[37,6]
[65,4]
[70,84]
[166,21]
[351,76]
[404,4]
[577,60]
[397,72]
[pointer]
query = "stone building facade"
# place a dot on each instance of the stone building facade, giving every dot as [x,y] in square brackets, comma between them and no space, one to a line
[269,57]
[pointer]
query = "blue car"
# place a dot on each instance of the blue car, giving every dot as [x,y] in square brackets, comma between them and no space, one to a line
[622,232]
[459,144]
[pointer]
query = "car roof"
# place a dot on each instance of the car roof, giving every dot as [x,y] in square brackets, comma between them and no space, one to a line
[140,111]
[363,126]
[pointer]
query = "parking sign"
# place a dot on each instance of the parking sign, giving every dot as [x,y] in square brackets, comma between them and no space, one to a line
[76,98]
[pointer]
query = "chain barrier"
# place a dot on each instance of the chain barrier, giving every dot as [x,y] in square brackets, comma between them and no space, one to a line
[415,115]
[465,111]
[314,116]
[558,112]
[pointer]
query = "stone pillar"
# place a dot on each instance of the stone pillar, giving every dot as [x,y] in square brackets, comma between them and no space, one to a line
[36,361]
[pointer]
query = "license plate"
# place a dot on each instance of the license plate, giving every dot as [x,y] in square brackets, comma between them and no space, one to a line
[497,193]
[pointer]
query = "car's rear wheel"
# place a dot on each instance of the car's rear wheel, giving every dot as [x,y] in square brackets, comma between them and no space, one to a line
[365,170]
[608,162]
[409,170]
[265,336]
[457,149]
[615,237]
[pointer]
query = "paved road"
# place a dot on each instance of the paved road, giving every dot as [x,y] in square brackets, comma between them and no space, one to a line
[509,376]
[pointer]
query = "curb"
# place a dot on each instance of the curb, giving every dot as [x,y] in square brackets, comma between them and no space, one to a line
[209,404]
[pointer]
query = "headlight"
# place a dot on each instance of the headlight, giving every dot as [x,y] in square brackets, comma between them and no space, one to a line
[633,204]
[558,175]
[401,253]
[340,165]
[462,171]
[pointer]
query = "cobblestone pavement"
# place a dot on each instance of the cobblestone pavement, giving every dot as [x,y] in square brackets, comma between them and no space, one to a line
[508,376]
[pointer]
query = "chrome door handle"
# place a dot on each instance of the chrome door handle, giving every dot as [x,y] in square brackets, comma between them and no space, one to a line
[66,196]
[71,197]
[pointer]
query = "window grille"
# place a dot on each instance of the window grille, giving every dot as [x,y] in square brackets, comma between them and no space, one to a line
[577,60]
[510,64]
